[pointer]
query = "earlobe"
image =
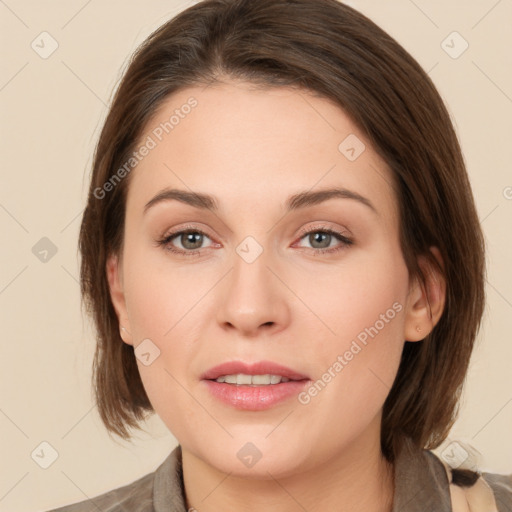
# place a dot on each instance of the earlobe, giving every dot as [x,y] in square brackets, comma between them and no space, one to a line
[115,283]
[426,301]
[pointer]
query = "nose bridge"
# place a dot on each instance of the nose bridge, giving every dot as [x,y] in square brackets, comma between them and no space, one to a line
[253,298]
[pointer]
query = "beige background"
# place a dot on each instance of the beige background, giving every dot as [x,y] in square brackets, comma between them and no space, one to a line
[52,110]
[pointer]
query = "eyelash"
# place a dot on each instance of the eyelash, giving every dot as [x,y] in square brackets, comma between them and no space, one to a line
[165,242]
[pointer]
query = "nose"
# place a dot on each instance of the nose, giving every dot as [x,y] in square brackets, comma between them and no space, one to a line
[253,300]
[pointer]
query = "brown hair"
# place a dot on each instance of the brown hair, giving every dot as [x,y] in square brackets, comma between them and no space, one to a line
[337,53]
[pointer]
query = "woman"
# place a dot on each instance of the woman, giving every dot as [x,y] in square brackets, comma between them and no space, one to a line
[283,259]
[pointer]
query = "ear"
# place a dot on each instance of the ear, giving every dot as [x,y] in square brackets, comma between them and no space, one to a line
[425,303]
[115,283]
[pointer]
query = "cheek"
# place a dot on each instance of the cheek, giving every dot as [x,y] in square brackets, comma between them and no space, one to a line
[164,307]
[357,357]
[368,290]
[160,295]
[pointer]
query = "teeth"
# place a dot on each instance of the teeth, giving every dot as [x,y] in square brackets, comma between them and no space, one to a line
[254,380]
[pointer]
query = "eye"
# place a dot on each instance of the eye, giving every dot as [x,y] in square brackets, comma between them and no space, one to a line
[321,240]
[189,241]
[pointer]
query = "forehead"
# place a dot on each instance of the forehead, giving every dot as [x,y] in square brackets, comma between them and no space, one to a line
[239,142]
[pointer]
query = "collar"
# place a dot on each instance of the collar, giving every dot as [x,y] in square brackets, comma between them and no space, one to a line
[168,487]
[421,482]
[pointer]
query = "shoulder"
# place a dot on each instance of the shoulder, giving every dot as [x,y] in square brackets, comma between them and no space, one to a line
[161,490]
[423,481]
[137,495]
[480,490]
[501,486]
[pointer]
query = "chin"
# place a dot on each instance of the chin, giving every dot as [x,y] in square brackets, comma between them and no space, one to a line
[255,457]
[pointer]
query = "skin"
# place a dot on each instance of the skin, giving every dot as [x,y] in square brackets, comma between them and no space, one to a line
[290,305]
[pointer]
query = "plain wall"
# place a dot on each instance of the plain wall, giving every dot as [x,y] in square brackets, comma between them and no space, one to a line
[52,110]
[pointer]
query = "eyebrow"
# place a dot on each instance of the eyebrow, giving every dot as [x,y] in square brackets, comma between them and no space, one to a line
[294,202]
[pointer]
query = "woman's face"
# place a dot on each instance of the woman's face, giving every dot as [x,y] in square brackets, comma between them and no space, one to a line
[265,281]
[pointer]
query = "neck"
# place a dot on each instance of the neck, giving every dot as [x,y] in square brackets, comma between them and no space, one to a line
[355,479]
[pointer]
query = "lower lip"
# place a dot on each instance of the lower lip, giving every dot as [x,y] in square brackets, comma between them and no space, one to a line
[255,398]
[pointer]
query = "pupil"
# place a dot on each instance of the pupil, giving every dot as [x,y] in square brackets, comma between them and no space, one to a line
[190,241]
[320,237]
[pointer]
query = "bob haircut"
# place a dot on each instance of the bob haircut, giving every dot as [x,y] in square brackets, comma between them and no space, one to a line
[333,51]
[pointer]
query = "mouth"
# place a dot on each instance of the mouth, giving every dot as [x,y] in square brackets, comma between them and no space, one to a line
[254,387]
[243,379]
[261,373]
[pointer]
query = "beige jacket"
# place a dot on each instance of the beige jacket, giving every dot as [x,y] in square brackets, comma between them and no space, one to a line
[421,485]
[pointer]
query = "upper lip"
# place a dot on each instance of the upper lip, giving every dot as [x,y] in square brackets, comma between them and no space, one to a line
[257,368]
